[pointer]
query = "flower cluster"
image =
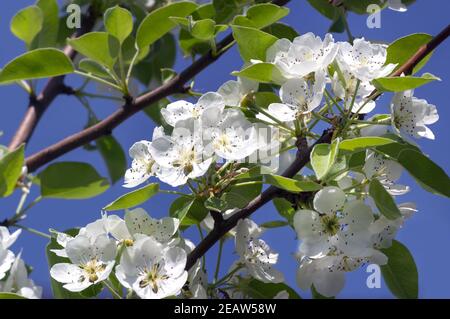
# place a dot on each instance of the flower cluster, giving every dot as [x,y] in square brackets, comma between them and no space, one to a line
[13,271]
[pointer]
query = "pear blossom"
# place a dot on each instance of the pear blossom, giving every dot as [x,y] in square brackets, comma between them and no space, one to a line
[181,155]
[152,270]
[138,221]
[334,225]
[384,230]
[256,255]
[299,98]
[6,256]
[364,60]
[397,5]
[230,135]
[305,55]
[386,171]
[91,262]
[143,166]
[182,110]
[18,282]
[410,116]
[233,92]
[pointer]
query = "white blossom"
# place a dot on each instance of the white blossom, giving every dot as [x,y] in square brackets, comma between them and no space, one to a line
[182,110]
[6,256]
[386,171]
[18,282]
[397,5]
[233,92]
[306,54]
[181,155]
[334,225]
[228,134]
[410,116]
[152,270]
[299,97]
[365,60]
[92,260]
[255,254]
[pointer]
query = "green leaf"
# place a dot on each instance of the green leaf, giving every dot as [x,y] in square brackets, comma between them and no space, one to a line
[203,29]
[291,185]
[282,31]
[359,143]
[400,273]
[238,196]
[157,23]
[71,180]
[261,15]
[188,210]
[94,68]
[252,43]
[114,157]
[27,23]
[393,150]
[260,290]
[226,9]
[101,47]
[261,72]
[134,198]
[323,157]
[36,64]
[215,204]
[383,200]
[57,288]
[9,295]
[284,208]
[427,173]
[264,99]
[274,224]
[10,170]
[401,50]
[324,7]
[403,83]
[118,22]
[48,36]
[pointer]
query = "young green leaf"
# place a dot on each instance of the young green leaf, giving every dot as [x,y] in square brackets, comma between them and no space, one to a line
[383,200]
[260,290]
[114,157]
[292,185]
[403,83]
[10,170]
[157,23]
[252,43]
[98,46]
[401,50]
[261,72]
[359,143]
[203,29]
[134,198]
[48,37]
[400,273]
[118,22]
[282,31]
[71,180]
[188,210]
[27,23]
[91,67]
[323,157]
[36,64]
[427,173]
[261,15]
[284,208]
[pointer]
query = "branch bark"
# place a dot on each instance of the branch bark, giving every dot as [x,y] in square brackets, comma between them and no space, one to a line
[54,87]
[302,159]
[106,126]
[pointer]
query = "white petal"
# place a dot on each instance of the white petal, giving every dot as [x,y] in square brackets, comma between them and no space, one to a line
[329,199]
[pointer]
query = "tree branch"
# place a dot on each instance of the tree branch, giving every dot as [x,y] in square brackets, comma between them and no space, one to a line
[54,87]
[302,159]
[106,126]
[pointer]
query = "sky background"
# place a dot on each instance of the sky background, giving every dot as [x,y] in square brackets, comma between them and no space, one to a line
[427,234]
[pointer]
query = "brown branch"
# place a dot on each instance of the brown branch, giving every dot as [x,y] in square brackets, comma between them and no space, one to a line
[302,159]
[54,87]
[106,126]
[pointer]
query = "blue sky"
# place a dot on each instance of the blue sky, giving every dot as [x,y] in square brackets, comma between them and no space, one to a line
[427,234]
